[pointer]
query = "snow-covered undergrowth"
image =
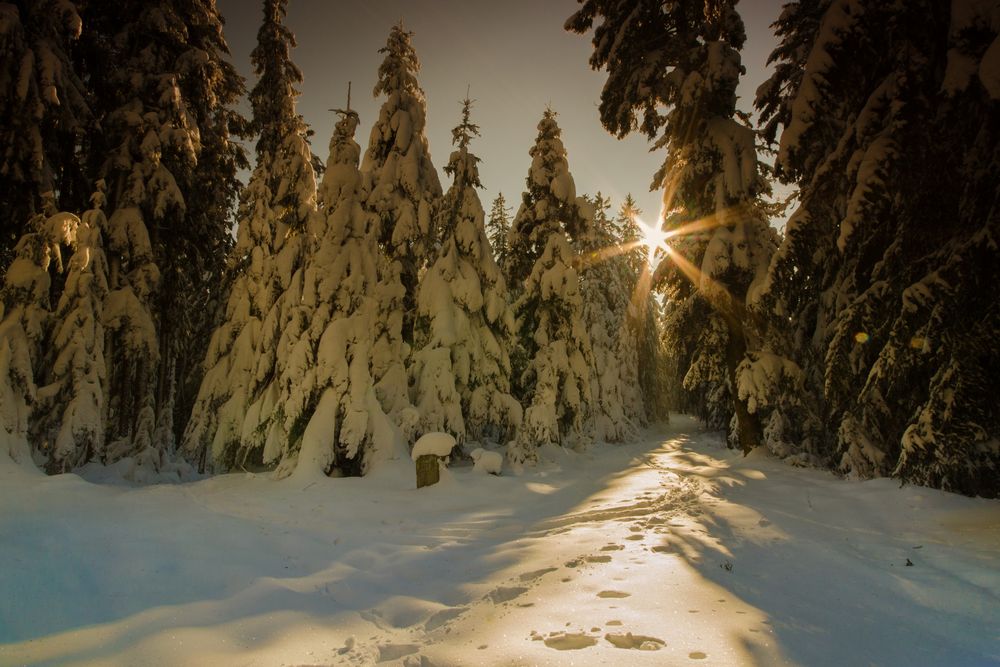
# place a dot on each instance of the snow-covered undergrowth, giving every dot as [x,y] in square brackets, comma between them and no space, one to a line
[677,552]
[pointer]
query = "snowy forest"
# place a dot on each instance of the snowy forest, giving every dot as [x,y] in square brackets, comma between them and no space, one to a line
[275,392]
[159,312]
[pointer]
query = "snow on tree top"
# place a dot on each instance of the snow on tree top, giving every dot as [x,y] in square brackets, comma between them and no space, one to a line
[436,444]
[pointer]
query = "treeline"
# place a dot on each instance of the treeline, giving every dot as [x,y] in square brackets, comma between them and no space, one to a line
[362,304]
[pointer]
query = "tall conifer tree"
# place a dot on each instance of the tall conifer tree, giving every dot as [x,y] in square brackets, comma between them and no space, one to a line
[237,418]
[405,189]
[464,321]
[497,228]
[554,382]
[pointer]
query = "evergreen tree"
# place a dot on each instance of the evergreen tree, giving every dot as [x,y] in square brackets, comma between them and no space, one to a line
[684,57]
[464,324]
[878,293]
[164,100]
[44,113]
[25,314]
[405,189]
[630,237]
[497,228]
[352,383]
[69,422]
[555,382]
[606,287]
[237,416]
[550,196]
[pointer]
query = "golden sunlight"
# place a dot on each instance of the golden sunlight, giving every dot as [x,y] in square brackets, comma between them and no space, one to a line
[654,238]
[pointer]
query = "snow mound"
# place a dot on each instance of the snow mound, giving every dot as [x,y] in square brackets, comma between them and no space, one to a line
[485,461]
[436,443]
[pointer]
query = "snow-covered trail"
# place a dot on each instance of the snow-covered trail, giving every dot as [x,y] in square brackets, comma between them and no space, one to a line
[674,551]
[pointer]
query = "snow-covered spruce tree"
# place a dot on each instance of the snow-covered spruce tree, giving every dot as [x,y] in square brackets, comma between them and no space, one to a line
[555,380]
[606,288]
[465,324]
[352,385]
[684,57]
[25,315]
[43,114]
[405,189]
[883,277]
[550,196]
[497,228]
[164,103]
[237,418]
[69,417]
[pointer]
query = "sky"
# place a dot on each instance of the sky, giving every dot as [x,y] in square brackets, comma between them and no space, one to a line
[515,59]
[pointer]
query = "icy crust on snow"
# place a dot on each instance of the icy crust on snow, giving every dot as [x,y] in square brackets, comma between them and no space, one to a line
[433,444]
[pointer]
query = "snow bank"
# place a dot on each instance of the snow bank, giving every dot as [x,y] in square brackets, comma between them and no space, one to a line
[675,542]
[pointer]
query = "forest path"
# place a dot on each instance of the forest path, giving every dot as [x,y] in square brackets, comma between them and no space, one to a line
[670,551]
[615,579]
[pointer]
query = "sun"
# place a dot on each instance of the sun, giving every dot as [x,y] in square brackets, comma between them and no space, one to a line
[653,237]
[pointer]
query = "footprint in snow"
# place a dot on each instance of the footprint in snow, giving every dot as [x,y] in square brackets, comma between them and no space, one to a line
[697,655]
[505,594]
[598,559]
[639,642]
[613,594]
[442,617]
[635,538]
[569,641]
[612,547]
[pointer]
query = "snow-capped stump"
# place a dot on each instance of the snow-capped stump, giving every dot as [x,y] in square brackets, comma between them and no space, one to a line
[485,461]
[428,449]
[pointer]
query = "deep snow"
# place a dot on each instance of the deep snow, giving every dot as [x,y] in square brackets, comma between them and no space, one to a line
[672,551]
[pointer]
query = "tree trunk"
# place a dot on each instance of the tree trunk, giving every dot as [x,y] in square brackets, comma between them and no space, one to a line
[748,429]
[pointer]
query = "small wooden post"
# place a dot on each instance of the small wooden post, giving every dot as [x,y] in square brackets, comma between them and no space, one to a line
[428,472]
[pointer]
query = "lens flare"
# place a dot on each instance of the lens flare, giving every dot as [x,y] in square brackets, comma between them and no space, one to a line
[654,238]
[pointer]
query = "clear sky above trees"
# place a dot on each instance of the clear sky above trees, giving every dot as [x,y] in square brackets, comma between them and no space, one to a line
[517,59]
